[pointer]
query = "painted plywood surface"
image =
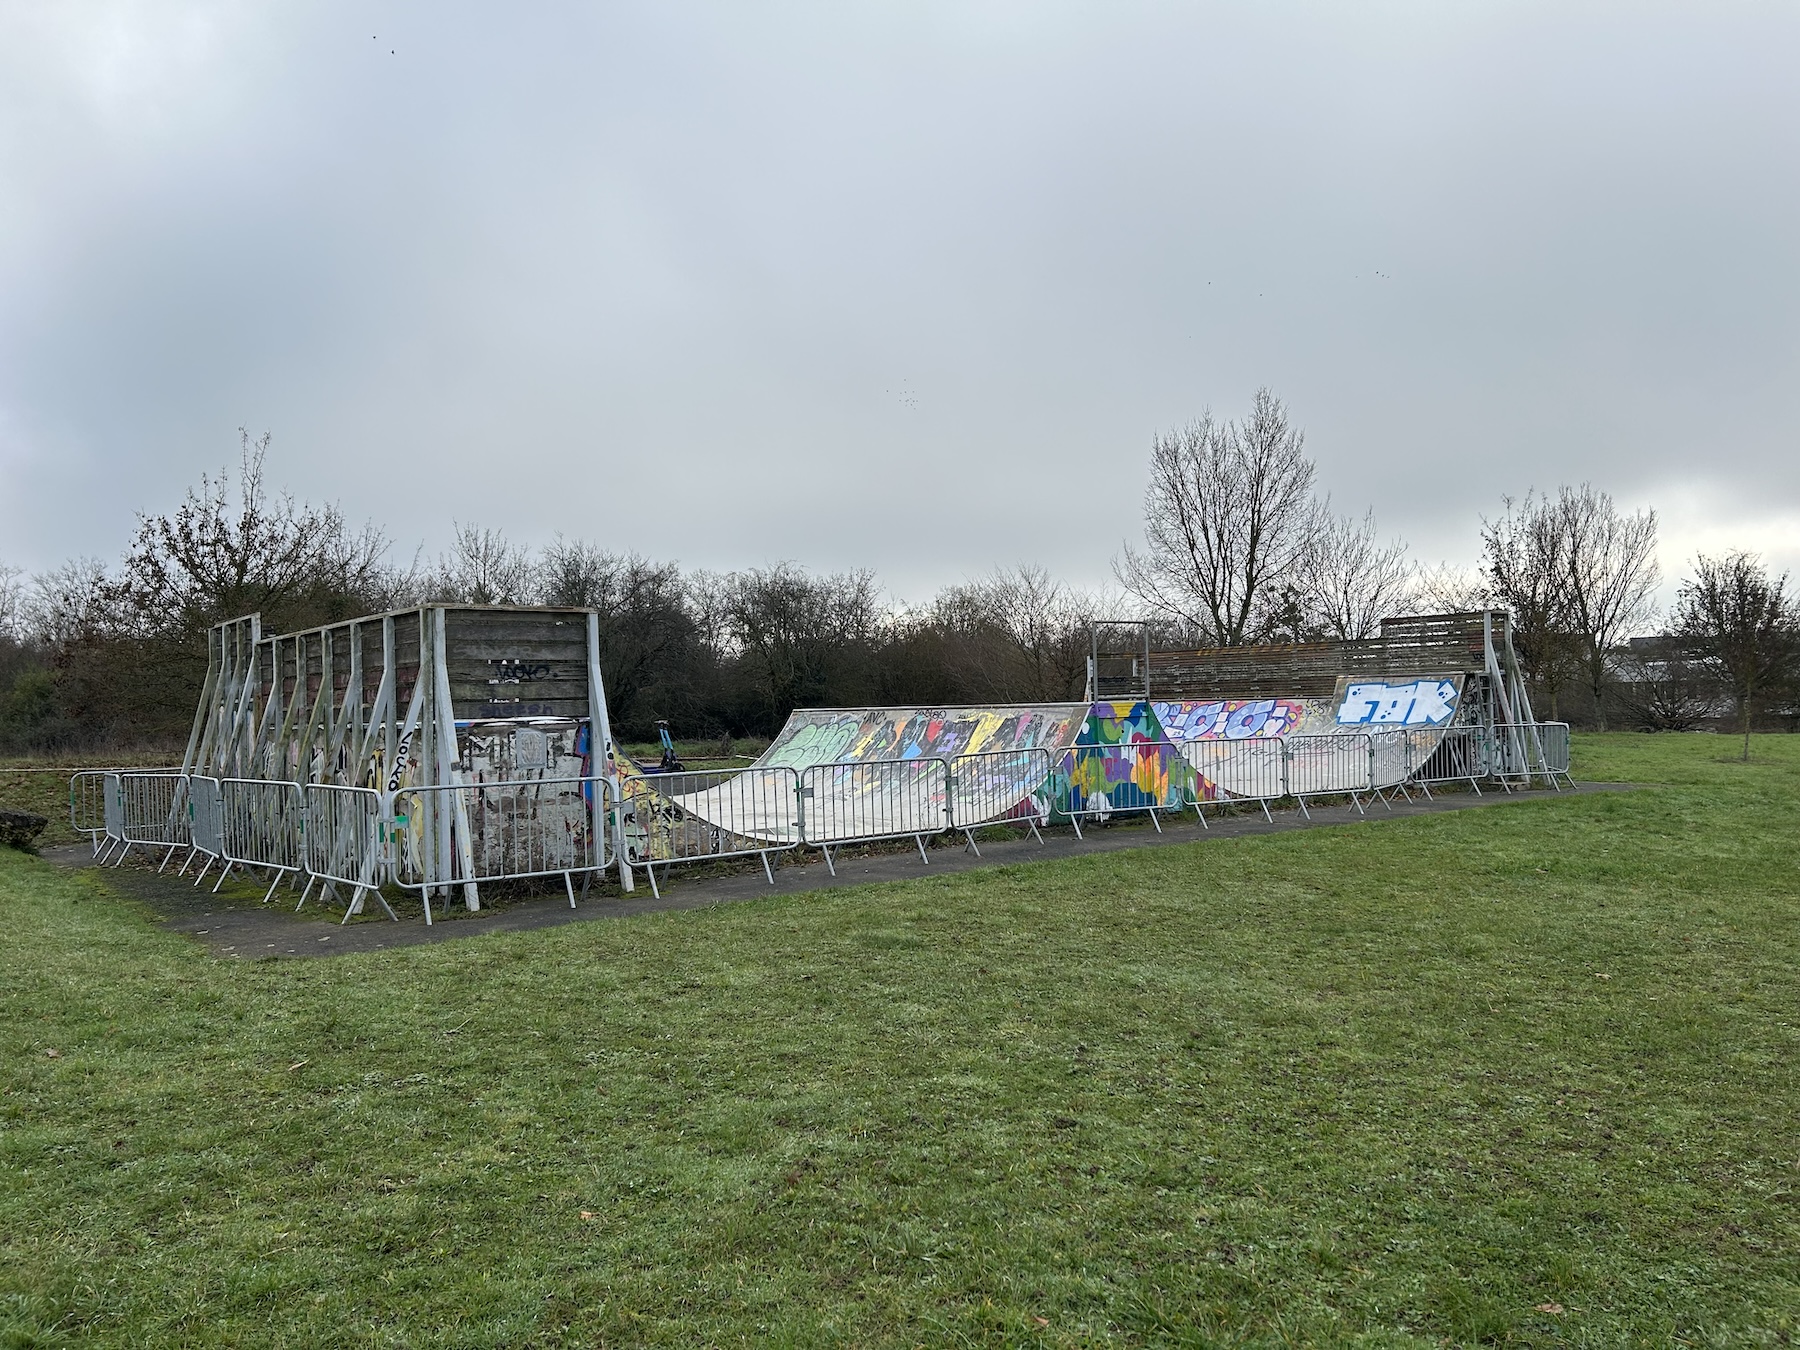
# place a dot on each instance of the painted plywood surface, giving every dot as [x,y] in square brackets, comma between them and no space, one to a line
[869,772]
[867,735]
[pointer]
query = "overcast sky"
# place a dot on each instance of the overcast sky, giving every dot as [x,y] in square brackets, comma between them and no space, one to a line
[904,286]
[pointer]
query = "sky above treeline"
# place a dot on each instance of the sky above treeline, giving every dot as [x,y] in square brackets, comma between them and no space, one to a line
[908,287]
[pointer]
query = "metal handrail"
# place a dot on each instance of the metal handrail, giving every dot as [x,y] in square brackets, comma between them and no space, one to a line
[869,800]
[702,815]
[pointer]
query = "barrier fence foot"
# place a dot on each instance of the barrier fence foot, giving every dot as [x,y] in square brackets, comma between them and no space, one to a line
[768,871]
[185,862]
[969,835]
[1075,824]
[1154,821]
[569,886]
[308,891]
[269,894]
[1303,810]
[1034,832]
[1426,789]
[829,865]
[919,839]
[173,849]
[229,864]
[655,890]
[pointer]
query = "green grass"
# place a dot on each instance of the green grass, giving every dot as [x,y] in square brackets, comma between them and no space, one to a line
[1391,1084]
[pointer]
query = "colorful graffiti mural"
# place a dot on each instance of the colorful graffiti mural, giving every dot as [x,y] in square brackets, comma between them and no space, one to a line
[814,736]
[1428,703]
[1051,762]
[1230,719]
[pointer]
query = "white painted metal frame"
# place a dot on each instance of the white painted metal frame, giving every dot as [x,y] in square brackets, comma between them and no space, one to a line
[687,813]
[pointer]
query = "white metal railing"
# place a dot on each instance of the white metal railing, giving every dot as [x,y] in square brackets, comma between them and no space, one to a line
[1131,776]
[346,843]
[88,801]
[703,815]
[263,825]
[1328,766]
[1553,741]
[147,808]
[1251,770]
[999,787]
[206,827]
[1453,755]
[432,838]
[1390,765]
[871,800]
[515,830]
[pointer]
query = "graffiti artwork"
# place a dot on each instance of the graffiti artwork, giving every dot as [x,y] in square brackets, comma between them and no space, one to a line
[866,736]
[1230,719]
[1048,762]
[1417,703]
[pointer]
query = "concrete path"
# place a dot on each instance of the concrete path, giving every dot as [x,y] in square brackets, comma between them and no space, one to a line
[235,924]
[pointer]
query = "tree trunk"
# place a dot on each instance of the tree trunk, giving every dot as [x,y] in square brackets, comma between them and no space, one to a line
[1746,731]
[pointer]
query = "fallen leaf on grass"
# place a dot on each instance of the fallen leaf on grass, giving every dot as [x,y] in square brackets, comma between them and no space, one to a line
[1042,1321]
[301,1065]
[1554,1309]
[1601,975]
[589,1214]
[54,1054]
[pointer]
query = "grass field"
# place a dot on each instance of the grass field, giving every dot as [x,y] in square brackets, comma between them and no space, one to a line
[1526,1074]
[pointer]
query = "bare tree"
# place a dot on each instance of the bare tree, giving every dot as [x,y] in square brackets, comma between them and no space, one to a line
[222,554]
[12,603]
[1451,589]
[799,635]
[1744,624]
[1350,580]
[1525,564]
[482,568]
[1661,689]
[1228,518]
[1610,564]
[1020,633]
[69,603]
[646,632]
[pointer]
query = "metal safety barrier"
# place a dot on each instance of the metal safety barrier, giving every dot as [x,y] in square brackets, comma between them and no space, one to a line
[346,843]
[507,831]
[206,827]
[1390,765]
[1453,755]
[147,809]
[702,815]
[1107,780]
[1553,740]
[999,787]
[877,799]
[263,824]
[88,802]
[1250,770]
[1329,766]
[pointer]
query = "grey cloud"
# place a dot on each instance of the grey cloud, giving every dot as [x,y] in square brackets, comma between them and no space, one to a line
[902,288]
